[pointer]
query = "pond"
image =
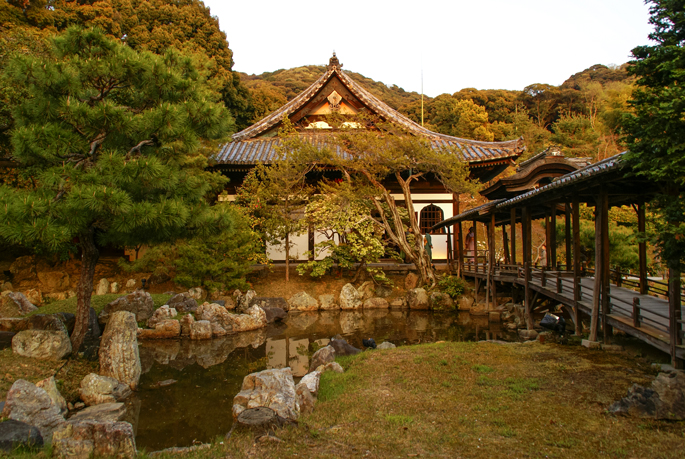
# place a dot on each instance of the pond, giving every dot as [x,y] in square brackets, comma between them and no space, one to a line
[208,374]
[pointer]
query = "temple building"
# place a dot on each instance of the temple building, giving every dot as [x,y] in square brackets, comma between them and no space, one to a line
[335,93]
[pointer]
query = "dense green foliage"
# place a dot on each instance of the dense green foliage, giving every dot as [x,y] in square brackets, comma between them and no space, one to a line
[216,262]
[655,133]
[452,285]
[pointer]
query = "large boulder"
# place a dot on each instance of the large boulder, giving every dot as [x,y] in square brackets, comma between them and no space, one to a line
[665,399]
[274,389]
[302,302]
[54,281]
[269,302]
[376,303]
[42,344]
[161,314]
[166,329]
[96,389]
[182,303]
[201,329]
[15,304]
[54,322]
[102,412]
[417,298]
[327,302]
[30,404]
[322,357]
[16,434]
[311,380]
[349,297]
[119,356]
[23,268]
[186,323]
[102,287]
[223,322]
[139,303]
[441,301]
[386,345]
[91,438]
[411,281]
[342,348]
[50,387]
[367,290]
[34,296]
[244,301]
[274,314]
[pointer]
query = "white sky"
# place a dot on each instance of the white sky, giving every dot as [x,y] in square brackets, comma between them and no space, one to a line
[486,44]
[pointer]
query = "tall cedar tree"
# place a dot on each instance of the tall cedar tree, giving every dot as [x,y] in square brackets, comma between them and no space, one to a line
[655,133]
[112,138]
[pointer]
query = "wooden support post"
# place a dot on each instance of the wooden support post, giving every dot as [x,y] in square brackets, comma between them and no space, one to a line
[560,285]
[674,315]
[492,253]
[576,263]
[636,312]
[642,249]
[569,242]
[513,236]
[505,244]
[460,251]
[456,237]
[552,246]
[548,238]
[527,299]
[599,263]
[450,251]
[527,236]
[607,330]
[475,245]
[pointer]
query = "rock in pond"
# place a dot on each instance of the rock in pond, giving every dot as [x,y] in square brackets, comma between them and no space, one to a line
[376,303]
[322,357]
[96,389]
[274,389]
[164,329]
[441,301]
[327,302]
[342,348]
[15,434]
[274,315]
[119,357]
[223,322]
[90,438]
[417,298]
[139,303]
[101,412]
[30,404]
[201,329]
[302,302]
[42,344]
[163,313]
[182,303]
[350,297]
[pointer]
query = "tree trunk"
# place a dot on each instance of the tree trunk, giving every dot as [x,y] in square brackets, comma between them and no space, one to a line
[89,258]
[287,257]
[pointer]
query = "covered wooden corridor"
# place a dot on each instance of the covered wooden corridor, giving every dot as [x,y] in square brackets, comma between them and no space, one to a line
[646,309]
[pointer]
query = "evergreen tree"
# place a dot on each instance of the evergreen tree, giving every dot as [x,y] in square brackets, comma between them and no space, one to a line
[113,140]
[655,133]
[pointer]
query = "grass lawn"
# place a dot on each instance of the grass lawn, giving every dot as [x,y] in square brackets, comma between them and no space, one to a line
[475,400]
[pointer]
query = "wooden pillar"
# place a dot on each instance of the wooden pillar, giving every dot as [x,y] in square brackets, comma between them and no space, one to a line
[568,236]
[513,236]
[642,249]
[493,246]
[576,262]
[528,308]
[460,251]
[599,264]
[674,315]
[552,246]
[527,236]
[548,237]
[475,245]
[606,273]
[456,248]
[505,244]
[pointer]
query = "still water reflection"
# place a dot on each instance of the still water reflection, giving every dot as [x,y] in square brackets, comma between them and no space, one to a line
[208,374]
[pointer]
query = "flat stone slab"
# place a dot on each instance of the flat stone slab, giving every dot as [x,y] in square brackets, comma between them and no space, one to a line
[612,348]
[590,344]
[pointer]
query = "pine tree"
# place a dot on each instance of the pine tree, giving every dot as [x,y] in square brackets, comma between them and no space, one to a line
[656,131]
[113,140]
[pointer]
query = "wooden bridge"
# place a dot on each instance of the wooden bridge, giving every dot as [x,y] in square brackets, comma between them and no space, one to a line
[644,316]
[647,309]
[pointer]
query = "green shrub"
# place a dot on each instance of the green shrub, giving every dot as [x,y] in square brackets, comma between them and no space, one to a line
[452,285]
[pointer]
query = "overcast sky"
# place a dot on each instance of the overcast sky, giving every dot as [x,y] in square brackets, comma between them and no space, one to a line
[486,44]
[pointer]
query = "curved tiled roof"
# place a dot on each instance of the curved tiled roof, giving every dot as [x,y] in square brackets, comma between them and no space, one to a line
[247,148]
